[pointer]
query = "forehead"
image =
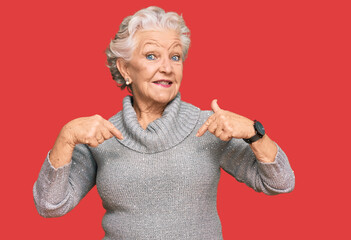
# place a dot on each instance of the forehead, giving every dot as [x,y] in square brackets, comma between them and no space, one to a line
[160,38]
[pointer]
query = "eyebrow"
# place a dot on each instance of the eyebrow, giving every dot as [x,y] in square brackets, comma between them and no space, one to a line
[153,42]
[175,44]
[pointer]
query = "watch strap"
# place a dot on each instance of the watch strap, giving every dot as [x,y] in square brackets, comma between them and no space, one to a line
[257,136]
[252,139]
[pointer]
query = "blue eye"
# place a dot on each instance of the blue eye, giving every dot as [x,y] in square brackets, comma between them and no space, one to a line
[150,57]
[175,58]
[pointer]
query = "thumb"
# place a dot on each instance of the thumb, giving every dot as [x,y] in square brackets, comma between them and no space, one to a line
[214,106]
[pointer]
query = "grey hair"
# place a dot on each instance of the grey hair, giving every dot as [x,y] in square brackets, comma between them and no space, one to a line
[151,18]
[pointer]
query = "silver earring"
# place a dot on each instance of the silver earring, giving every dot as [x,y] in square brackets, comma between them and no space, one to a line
[127,81]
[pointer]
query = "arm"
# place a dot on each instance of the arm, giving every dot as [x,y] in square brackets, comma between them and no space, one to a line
[69,170]
[58,190]
[271,178]
[262,165]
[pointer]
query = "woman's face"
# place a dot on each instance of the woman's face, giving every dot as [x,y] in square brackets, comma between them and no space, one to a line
[156,67]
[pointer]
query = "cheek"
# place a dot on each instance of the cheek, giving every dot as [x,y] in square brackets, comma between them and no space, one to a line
[139,69]
[179,71]
[147,71]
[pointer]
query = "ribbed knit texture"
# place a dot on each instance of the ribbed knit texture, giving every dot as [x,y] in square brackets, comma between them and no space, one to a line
[161,182]
[177,122]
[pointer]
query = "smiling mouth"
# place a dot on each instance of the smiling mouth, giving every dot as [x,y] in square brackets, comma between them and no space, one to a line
[163,83]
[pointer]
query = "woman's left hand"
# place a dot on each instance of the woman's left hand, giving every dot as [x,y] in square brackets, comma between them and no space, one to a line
[227,125]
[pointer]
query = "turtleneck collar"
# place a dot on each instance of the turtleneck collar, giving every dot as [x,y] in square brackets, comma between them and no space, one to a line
[177,122]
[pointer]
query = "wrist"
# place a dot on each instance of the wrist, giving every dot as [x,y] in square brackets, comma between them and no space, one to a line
[258,130]
[264,149]
[61,152]
[251,131]
[65,137]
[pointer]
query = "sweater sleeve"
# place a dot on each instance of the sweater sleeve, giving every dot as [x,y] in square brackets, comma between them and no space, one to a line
[270,178]
[58,191]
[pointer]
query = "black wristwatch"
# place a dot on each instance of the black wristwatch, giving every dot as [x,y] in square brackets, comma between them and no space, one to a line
[260,132]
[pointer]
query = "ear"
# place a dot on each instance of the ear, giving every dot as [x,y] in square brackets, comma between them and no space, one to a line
[122,66]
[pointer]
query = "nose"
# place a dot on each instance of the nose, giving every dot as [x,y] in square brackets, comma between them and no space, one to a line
[166,66]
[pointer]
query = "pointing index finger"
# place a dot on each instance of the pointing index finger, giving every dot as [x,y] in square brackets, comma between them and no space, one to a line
[204,127]
[202,130]
[114,130]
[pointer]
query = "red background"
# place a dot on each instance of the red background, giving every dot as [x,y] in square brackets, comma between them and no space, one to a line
[285,63]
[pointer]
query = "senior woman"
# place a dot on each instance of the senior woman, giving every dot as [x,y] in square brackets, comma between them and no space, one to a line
[156,163]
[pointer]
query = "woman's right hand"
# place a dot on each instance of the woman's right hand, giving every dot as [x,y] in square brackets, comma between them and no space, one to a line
[92,131]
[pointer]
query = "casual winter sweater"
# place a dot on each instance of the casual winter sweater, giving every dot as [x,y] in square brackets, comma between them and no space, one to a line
[161,182]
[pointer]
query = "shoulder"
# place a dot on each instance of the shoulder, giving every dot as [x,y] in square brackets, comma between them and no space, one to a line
[203,115]
[116,118]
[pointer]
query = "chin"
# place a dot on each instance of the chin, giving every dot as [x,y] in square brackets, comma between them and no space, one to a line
[165,98]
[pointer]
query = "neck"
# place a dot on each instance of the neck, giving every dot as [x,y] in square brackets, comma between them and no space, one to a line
[147,112]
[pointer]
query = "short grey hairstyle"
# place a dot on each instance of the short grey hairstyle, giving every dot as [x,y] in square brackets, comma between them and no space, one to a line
[151,18]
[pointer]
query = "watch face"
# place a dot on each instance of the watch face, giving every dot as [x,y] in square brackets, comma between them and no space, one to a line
[259,128]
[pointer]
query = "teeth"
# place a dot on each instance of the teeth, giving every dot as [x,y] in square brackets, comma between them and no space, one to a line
[163,82]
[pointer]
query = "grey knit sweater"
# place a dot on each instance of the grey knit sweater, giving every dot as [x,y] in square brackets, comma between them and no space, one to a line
[158,183]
